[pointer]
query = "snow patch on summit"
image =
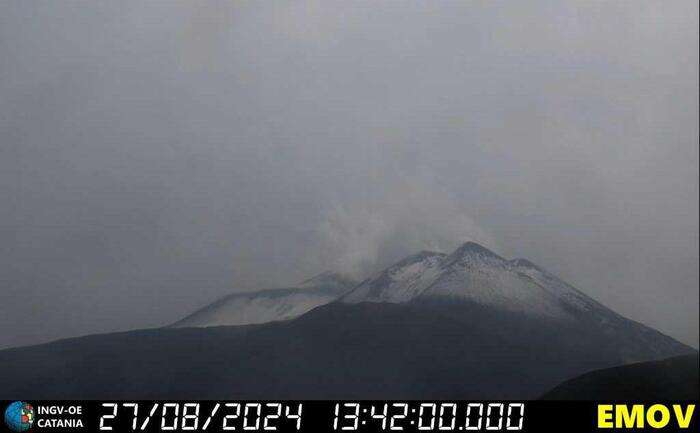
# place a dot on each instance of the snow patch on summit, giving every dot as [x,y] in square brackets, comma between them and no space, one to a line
[259,307]
[475,274]
[269,305]
[400,282]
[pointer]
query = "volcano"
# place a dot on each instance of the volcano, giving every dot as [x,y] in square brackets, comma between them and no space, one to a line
[465,325]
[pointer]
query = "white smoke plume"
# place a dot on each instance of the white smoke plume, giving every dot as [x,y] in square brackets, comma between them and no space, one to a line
[360,237]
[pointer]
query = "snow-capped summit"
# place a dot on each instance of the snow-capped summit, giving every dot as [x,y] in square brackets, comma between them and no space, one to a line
[473,273]
[470,251]
[270,305]
[480,280]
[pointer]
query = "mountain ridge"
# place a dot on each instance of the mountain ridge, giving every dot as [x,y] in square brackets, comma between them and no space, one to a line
[465,325]
[268,305]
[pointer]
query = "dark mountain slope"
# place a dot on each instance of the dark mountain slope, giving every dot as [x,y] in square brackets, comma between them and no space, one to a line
[669,379]
[366,350]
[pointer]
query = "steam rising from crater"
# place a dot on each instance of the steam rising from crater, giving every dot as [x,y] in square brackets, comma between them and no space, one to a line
[360,237]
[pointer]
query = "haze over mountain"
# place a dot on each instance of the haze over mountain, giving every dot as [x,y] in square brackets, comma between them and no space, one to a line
[270,305]
[470,324]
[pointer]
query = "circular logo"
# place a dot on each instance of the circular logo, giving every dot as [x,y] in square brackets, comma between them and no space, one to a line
[19,416]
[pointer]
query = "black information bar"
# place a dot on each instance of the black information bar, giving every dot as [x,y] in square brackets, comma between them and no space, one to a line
[345,416]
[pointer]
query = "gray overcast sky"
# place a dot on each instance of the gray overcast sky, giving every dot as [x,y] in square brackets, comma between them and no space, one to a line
[157,155]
